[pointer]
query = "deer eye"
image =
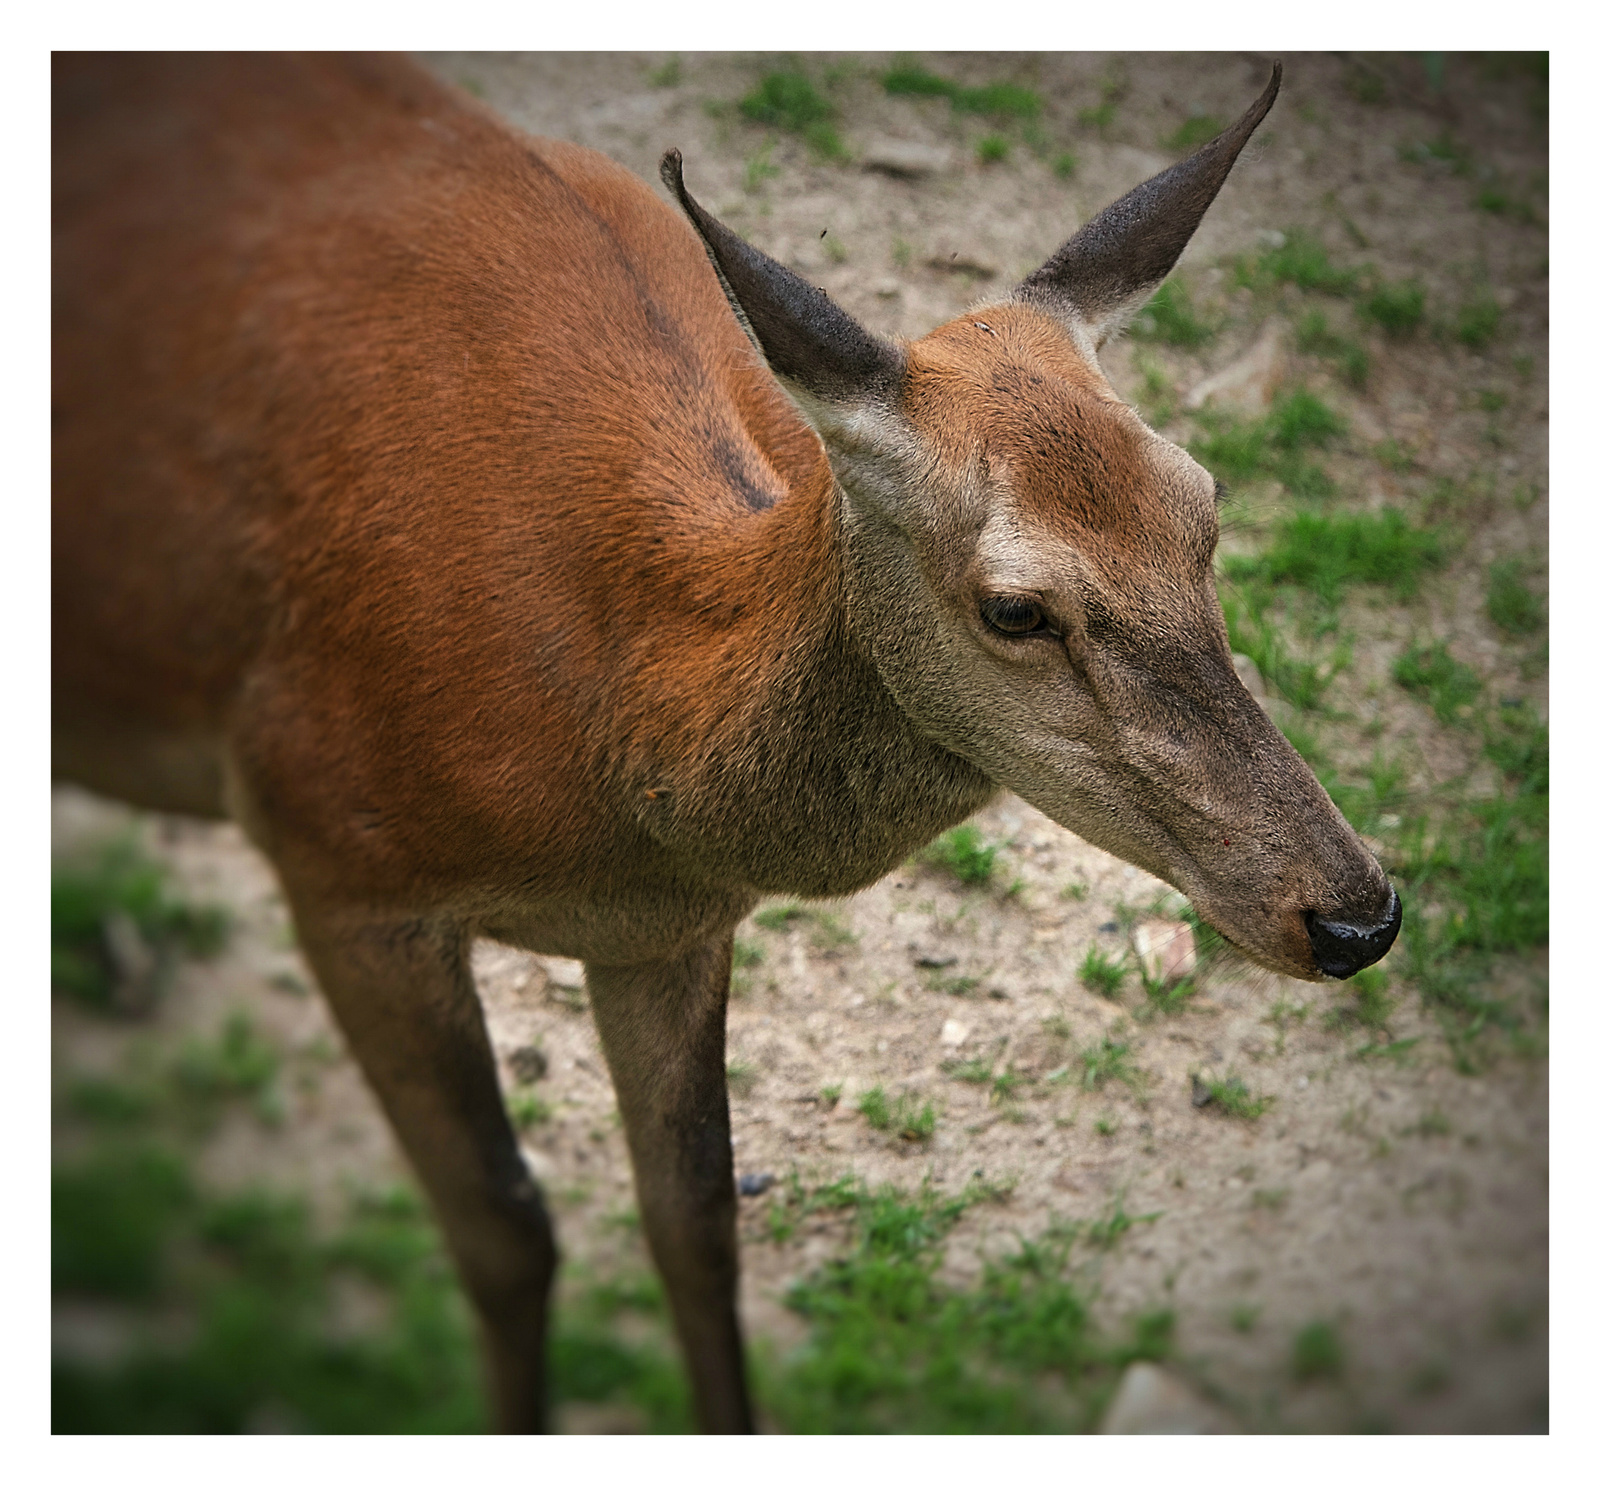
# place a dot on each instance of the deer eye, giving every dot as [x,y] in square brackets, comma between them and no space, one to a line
[1013,616]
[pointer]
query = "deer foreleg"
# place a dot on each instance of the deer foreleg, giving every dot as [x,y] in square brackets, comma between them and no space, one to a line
[663,1026]
[403,994]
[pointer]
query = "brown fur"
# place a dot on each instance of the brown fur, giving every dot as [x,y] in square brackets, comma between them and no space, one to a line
[420,502]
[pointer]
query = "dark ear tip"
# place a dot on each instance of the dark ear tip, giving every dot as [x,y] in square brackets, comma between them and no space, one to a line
[672,170]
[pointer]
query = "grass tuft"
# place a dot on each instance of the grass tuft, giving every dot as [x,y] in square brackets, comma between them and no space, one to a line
[1000,101]
[1432,673]
[1395,308]
[1511,605]
[1101,974]
[963,853]
[1317,1352]
[787,99]
[1232,1098]
[1325,554]
[1301,260]
[894,1348]
[903,1117]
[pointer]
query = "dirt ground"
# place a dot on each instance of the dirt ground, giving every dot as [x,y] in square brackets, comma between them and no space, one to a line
[1392,1196]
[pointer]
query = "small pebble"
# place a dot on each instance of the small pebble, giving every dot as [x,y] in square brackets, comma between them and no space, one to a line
[754,1186]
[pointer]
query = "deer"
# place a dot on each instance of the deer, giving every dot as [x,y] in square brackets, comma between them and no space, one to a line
[515,555]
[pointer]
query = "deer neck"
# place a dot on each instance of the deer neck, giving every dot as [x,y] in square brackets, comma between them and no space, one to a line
[801,773]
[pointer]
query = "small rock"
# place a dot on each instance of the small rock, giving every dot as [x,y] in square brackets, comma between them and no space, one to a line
[906,158]
[1110,928]
[564,984]
[954,1033]
[1199,1092]
[1250,382]
[528,1064]
[1165,948]
[565,975]
[1250,673]
[1270,237]
[755,1184]
[1149,1400]
[936,962]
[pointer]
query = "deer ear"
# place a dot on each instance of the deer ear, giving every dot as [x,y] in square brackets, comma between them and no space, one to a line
[1110,266]
[812,345]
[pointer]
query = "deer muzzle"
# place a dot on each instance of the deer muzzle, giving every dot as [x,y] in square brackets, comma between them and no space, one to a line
[1341,949]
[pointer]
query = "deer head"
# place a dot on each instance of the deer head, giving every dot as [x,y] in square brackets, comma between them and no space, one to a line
[1030,567]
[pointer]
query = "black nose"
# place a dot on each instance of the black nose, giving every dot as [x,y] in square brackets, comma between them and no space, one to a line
[1342,949]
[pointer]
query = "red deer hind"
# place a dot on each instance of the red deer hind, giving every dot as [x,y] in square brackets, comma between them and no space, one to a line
[513,557]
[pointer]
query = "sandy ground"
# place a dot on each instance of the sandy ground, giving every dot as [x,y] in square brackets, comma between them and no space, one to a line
[1393,1196]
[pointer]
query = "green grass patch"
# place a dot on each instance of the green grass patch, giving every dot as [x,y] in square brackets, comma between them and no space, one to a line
[1478,321]
[239,1061]
[668,75]
[1229,1096]
[1198,129]
[828,931]
[118,890]
[1101,974]
[1169,316]
[892,1348]
[1105,1061]
[1316,1352]
[904,1116]
[1314,336]
[1397,309]
[787,99]
[256,1281]
[1324,554]
[964,854]
[1432,673]
[993,149]
[759,169]
[527,1109]
[1274,445]
[1253,632]
[1511,604]
[1301,259]
[1369,1004]
[1000,101]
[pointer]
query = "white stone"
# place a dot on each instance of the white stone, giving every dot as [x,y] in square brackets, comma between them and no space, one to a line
[906,157]
[1150,1400]
[954,1033]
[565,975]
[1250,673]
[1165,948]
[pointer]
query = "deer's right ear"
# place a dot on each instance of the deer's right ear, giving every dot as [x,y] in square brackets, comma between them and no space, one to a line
[812,345]
[1098,279]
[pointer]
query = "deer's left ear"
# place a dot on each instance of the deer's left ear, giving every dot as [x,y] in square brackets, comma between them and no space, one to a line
[1109,267]
[816,349]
